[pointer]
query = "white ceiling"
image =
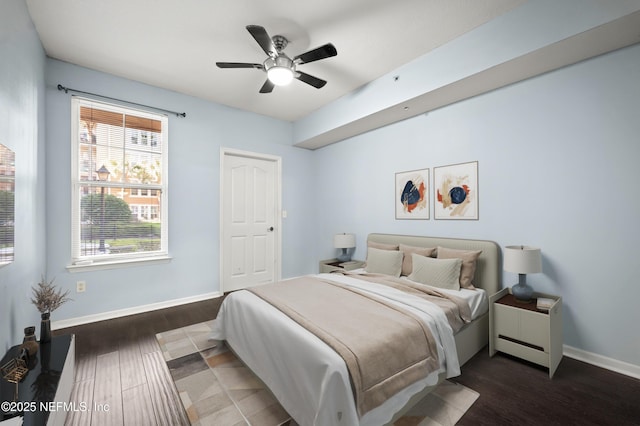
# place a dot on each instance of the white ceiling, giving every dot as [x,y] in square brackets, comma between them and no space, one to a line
[175,44]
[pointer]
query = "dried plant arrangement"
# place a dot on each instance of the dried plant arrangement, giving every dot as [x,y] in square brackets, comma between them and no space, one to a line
[47,297]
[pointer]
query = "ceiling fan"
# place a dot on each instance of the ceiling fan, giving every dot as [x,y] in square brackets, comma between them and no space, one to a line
[281,69]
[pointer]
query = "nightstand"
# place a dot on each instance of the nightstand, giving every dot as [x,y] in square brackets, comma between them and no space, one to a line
[522,330]
[335,265]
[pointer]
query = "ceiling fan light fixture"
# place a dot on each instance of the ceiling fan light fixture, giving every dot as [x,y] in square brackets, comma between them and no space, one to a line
[280,76]
[279,70]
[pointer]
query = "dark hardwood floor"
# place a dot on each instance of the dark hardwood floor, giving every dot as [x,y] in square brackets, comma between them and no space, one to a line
[118,363]
[515,392]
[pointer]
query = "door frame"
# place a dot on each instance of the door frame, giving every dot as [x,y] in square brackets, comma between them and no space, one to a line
[230,152]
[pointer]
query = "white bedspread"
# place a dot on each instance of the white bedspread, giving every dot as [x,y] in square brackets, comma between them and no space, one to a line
[308,377]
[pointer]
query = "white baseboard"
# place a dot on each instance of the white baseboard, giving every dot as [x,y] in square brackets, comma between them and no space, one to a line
[621,367]
[72,322]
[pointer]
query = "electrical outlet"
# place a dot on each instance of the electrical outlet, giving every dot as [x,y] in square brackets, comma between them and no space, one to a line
[81,286]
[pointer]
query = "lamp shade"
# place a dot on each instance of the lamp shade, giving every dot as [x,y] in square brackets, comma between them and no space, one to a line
[344,240]
[522,259]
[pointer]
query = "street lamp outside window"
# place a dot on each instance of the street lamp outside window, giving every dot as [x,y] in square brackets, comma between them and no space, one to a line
[103,175]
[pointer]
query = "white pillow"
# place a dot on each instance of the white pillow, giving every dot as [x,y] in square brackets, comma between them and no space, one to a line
[441,273]
[387,262]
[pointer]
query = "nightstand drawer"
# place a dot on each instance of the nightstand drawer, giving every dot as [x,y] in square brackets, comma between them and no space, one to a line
[525,352]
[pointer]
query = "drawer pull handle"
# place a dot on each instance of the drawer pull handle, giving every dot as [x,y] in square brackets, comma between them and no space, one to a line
[520,342]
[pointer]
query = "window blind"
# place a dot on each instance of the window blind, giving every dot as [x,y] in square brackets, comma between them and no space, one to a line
[119,153]
[7,203]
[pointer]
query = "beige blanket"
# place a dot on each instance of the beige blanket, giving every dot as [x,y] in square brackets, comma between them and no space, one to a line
[385,348]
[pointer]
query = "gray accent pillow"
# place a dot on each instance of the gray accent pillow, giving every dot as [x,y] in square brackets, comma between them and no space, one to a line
[441,273]
[387,262]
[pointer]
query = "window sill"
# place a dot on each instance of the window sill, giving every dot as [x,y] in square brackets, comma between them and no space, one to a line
[117,264]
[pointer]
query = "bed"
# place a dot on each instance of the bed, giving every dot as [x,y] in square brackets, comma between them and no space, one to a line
[310,379]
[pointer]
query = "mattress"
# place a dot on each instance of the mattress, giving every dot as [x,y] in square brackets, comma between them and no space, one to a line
[310,379]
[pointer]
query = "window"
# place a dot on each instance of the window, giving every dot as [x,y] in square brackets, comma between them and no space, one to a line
[7,202]
[119,159]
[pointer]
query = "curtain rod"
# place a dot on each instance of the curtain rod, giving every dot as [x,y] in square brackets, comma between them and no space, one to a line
[67,89]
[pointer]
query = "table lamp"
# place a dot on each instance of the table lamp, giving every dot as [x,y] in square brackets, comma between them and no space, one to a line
[522,260]
[344,242]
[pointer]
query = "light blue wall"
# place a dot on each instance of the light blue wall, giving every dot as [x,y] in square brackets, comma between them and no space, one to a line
[22,129]
[194,193]
[558,169]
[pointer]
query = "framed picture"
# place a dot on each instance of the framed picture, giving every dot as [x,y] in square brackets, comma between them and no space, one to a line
[412,194]
[455,189]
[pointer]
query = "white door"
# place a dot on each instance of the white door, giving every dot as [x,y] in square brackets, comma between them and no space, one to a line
[250,253]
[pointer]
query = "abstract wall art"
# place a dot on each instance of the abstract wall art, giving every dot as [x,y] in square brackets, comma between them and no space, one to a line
[412,194]
[455,190]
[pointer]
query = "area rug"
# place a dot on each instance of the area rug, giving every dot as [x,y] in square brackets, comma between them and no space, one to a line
[216,388]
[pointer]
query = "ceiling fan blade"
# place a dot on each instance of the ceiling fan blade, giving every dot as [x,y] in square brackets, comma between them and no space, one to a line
[238,65]
[322,52]
[310,80]
[267,87]
[263,39]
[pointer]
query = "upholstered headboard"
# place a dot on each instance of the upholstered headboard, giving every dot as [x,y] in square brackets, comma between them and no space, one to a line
[488,269]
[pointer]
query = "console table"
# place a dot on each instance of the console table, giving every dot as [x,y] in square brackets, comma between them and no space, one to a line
[47,385]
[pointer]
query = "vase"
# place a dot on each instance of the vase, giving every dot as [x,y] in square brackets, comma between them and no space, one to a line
[29,343]
[45,357]
[45,328]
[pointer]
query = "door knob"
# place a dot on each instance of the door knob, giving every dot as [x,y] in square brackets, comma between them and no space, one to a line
[270,229]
